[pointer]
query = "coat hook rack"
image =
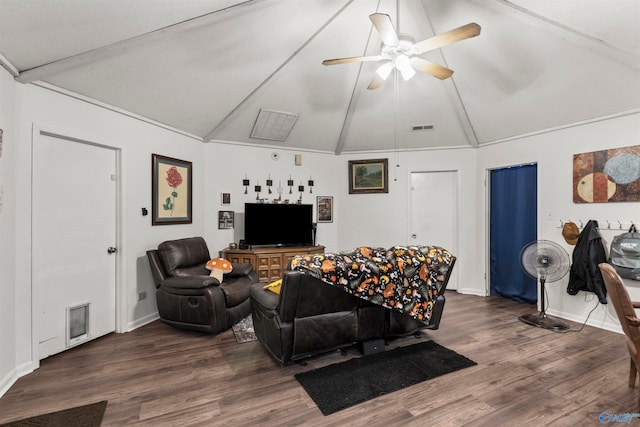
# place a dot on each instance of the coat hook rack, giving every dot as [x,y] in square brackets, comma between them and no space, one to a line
[622,225]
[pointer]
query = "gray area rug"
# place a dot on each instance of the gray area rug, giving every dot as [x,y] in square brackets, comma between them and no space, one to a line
[342,385]
[243,330]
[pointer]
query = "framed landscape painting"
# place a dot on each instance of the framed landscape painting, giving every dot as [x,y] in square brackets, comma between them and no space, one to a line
[171,189]
[368,176]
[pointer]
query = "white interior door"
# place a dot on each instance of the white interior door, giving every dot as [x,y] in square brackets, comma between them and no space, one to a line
[434,212]
[74,227]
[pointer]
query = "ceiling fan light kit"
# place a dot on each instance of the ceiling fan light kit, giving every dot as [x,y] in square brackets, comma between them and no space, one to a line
[400,51]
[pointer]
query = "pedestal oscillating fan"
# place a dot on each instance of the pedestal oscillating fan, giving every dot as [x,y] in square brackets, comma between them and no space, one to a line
[545,261]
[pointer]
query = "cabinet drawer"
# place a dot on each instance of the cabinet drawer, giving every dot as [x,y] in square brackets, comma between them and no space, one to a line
[234,259]
[275,260]
[276,272]
[263,275]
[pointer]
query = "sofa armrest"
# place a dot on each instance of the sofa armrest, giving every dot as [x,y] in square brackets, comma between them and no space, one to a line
[266,302]
[239,269]
[189,282]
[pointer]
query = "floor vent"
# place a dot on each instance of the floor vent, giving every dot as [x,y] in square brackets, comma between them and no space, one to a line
[422,127]
[77,324]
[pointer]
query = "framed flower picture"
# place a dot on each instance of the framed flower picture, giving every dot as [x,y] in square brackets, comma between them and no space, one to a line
[171,189]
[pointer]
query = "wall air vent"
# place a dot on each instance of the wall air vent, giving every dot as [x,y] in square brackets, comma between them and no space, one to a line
[422,127]
[273,125]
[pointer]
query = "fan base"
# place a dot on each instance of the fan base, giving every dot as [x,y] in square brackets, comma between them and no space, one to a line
[541,320]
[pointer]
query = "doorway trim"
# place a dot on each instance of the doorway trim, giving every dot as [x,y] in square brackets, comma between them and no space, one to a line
[38,132]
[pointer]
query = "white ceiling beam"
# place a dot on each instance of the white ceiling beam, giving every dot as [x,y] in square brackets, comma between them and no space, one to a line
[7,65]
[454,95]
[353,101]
[211,134]
[56,67]
[587,41]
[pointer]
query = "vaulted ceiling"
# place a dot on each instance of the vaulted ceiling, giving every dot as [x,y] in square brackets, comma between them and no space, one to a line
[207,67]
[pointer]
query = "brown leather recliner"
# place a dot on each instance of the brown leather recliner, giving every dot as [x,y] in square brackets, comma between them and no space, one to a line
[310,317]
[188,297]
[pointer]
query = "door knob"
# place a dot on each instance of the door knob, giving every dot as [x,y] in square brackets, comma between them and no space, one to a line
[111,250]
[413,236]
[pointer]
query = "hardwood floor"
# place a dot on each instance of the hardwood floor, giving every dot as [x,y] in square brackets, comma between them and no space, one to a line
[160,376]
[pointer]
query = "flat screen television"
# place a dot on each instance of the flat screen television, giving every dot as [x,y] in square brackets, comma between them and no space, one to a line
[267,224]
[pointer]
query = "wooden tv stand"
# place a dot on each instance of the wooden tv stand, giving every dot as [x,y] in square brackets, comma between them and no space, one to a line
[269,262]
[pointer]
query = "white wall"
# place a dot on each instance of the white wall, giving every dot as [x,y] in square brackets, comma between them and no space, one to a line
[383,219]
[228,164]
[8,366]
[553,152]
[136,140]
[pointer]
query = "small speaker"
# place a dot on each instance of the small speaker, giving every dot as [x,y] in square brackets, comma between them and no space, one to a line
[242,244]
[371,347]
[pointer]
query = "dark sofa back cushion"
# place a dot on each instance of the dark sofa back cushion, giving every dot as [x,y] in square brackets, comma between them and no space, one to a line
[302,295]
[184,257]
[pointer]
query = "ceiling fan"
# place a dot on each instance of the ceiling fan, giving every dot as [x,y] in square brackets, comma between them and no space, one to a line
[399,51]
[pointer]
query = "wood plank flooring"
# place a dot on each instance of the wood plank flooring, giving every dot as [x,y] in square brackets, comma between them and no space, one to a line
[160,376]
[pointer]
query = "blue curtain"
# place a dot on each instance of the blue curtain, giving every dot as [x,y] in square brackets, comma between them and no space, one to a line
[513,224]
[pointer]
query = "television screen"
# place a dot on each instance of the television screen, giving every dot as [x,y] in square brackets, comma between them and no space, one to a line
[278,224]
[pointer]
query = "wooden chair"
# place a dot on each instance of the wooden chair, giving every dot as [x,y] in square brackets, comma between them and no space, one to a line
[626,314]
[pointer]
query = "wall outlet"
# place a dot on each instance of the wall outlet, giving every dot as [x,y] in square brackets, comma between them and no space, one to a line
[142,295]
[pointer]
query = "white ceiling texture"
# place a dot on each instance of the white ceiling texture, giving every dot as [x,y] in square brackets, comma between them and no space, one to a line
[207,67]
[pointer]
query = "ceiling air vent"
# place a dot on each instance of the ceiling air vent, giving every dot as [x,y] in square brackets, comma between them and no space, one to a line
[273,125]
[422,127]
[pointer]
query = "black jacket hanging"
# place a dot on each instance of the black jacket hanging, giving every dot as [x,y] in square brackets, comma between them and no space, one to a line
[588,253]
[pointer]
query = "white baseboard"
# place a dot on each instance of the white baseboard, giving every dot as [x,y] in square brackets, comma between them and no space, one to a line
[8,381]
[13,376]
[469,291]
[142,321]
[608,326]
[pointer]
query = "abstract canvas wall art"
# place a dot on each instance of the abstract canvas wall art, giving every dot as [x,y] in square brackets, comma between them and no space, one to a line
[607,176]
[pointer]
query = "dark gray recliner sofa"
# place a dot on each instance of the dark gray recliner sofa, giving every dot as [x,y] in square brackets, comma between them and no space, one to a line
[310,317]
[188,298]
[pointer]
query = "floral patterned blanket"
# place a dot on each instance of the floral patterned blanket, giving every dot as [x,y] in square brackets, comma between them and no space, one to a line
[402,278]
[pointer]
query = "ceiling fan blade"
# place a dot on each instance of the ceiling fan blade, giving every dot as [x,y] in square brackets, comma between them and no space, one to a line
[457,34]
[430,68]
[376,82]
[352,59]
[383,24]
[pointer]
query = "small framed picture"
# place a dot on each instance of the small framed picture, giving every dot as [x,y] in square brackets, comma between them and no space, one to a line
[325,208]
[225,198]
[225,219]
[368,176]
